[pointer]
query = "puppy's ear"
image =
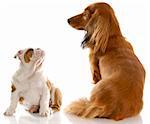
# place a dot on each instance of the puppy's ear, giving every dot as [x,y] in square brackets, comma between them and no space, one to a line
[18,54]
[98,27]
[28,54]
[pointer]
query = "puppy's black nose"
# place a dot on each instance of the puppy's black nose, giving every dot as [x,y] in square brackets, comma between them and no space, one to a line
[69,21]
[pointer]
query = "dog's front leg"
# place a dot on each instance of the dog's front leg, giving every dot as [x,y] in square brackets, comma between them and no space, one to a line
[44,103]
[94,63]
[14,100]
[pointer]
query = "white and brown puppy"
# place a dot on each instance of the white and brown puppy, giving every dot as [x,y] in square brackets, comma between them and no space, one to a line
[31,87]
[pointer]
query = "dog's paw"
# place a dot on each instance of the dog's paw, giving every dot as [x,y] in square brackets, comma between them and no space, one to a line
[45,112]
[9,112]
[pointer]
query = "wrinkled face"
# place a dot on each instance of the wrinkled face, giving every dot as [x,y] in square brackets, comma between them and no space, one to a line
[29,55]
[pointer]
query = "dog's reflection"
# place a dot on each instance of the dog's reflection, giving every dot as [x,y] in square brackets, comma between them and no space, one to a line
[56,119]
[76,120]
[35,119]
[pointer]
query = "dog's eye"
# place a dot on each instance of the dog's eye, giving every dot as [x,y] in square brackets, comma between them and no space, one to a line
[85,16]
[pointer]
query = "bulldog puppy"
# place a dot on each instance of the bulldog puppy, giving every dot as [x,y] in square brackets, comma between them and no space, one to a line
[31,87]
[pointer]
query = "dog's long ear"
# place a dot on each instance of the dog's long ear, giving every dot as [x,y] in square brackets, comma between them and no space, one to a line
[98,27]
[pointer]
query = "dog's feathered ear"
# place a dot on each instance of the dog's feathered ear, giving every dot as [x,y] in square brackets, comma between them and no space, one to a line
[98,27]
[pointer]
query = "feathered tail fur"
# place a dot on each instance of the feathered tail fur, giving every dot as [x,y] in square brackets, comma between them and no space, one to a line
[85,109]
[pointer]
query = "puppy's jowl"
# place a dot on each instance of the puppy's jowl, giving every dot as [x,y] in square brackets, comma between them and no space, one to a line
[31,87]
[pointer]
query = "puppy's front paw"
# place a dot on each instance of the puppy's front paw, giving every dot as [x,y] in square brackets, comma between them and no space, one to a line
[9,112]
[45,112]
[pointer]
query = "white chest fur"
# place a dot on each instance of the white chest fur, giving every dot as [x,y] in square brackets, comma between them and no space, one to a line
[31,87]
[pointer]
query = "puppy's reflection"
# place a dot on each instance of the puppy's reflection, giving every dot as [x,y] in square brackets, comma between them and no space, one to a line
[35,119]
[12,119]
[56,119]
[32,120]
[76,120]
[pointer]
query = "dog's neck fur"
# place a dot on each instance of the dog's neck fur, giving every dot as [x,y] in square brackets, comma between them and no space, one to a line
[114,42]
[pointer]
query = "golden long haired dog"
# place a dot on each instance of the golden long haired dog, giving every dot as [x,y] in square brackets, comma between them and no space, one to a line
[117,73]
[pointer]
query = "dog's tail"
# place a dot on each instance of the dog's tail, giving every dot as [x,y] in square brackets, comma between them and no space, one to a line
[86,109]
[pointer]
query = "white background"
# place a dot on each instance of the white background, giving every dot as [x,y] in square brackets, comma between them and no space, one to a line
[43,23]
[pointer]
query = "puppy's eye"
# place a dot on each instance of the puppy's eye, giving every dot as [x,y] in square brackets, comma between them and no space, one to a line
[31,49]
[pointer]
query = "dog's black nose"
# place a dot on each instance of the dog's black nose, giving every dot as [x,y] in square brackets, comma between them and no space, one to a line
[69,21]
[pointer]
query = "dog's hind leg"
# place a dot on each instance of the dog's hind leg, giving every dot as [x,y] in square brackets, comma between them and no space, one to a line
[56,100]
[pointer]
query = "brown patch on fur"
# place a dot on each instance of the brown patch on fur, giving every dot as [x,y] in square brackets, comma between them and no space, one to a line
[28,55]
[117,73]
[13,88]
[56,104]
[49,84]
[34,109]
[21,99]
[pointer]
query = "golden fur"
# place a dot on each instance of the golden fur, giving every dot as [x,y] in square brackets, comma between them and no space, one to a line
[117,73]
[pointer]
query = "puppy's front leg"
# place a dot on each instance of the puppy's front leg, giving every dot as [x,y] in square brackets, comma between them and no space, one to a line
[44,103]
[14,100]
[94,61]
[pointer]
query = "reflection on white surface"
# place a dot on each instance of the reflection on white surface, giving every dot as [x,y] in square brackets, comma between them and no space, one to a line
[62,118]
[76,120]
[43,23]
